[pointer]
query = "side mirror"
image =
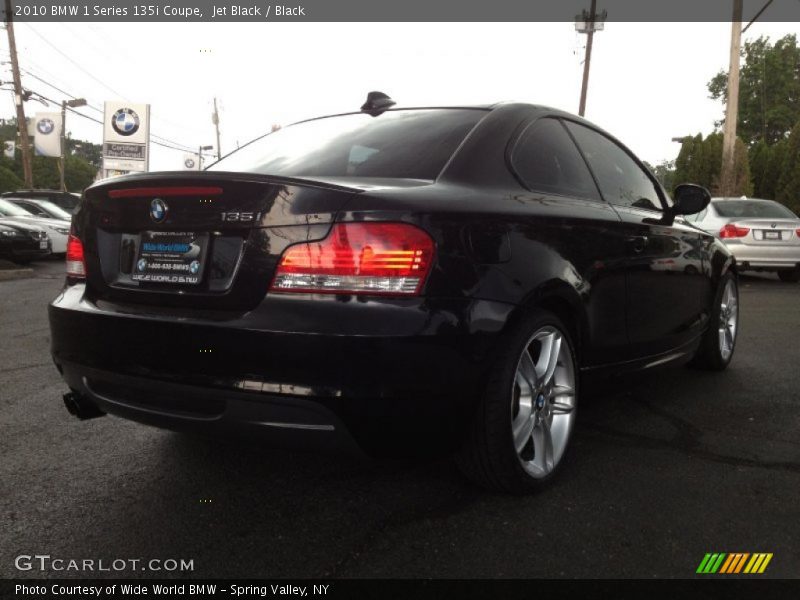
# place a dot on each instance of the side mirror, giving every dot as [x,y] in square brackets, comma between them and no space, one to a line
[690,199]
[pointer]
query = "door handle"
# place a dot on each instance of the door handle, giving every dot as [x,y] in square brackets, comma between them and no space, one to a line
[637,243]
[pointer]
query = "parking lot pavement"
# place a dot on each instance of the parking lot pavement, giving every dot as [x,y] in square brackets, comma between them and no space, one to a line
[665,468]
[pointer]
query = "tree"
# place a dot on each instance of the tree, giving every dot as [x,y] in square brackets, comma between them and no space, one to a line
[769,90]
[700,162]
[777,158]
[9,181]
[788,189]
[82,163]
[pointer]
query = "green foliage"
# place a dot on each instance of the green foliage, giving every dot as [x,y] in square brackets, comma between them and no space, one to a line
[769,89]
[788,189]
[9,182]
[82,163]
[700,162]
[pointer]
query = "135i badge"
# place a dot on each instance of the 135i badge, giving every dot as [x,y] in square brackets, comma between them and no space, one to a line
[241,217]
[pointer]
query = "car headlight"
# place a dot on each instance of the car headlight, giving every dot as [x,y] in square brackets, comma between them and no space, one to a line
[60,230]
[10,233]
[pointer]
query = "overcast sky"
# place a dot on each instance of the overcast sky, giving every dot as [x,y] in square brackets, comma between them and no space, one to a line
[647,84]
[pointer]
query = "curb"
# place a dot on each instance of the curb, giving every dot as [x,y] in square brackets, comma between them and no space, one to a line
[10,274]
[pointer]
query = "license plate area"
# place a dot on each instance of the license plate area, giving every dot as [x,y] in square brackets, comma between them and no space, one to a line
[771,235]
[171,257]
[43,245]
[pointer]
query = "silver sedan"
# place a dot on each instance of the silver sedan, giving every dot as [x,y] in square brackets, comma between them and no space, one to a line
[763,235]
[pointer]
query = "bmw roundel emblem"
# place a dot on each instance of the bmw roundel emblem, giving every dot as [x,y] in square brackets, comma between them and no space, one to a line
[189,163]
[45,126]
[194,267]
[125,121]
[158,210]
[141,265]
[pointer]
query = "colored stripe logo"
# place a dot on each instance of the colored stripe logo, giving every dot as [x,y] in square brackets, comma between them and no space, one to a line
[734,563]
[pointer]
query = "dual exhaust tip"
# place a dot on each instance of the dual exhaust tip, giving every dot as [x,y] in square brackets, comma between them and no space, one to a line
[81,407]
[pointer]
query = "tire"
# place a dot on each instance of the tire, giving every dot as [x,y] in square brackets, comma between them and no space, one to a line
[719,341]
[789,275]
[490,456]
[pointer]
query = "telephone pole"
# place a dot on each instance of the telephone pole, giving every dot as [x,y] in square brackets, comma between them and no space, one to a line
[727,175]
[22,124]
[588,23]
[215,120]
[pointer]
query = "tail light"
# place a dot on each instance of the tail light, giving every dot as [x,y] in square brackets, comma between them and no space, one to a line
[358,258]
[732,231]
[76,266]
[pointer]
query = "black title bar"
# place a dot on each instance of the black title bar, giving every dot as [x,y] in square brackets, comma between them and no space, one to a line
[406,11]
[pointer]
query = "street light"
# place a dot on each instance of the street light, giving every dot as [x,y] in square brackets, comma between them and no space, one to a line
[74,103]
[200,154]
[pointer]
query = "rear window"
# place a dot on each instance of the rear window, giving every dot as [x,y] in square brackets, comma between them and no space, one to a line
[414,144]
[753,209]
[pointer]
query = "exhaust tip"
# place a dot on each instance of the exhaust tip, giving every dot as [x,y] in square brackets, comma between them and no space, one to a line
[81,407]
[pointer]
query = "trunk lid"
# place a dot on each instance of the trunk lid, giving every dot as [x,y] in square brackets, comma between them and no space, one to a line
[205,240]
[768,232]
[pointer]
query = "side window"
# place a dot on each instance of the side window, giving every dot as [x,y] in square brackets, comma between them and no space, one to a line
[622,181]
[546,160]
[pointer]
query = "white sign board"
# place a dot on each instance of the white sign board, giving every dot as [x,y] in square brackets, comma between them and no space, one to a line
[8,149]
[126,136]
[47,134]
[191,162]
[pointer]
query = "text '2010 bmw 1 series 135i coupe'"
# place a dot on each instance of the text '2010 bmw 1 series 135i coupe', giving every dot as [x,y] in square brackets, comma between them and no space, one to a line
[399,281]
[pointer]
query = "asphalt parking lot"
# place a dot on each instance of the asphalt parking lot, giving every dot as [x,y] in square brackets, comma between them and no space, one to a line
[664,468]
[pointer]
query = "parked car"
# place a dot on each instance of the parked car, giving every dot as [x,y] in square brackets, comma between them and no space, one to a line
[57,229]
[66,200]
[42,208]
[763,235]
[22,243]
[402,281]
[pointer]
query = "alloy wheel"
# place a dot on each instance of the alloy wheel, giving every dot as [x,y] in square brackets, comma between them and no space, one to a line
[543,401]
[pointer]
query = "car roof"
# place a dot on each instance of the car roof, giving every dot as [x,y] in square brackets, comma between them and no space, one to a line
[732,199]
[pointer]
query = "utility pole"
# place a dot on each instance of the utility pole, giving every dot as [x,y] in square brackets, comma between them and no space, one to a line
[727,175]
[588,23]
[215,120]
[75,102]
[22,124]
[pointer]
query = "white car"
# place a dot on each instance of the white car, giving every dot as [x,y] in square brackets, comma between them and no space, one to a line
[42,208]
[762,234]
[57,230]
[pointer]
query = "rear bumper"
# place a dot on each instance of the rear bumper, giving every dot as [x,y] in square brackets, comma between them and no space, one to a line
[393,377]
[764,256]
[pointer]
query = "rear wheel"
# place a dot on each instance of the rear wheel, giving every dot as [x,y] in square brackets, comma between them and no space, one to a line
[523,425]
[719,342]
[789,275]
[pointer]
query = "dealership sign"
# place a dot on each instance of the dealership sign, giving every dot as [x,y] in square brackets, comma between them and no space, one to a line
[126,136]
[47,134]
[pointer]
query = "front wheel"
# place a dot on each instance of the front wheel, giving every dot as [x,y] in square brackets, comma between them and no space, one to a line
[719,342]
[522,428]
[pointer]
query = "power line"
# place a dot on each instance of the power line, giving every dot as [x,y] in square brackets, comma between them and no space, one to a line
[54,47]
[166,142]
[90,118]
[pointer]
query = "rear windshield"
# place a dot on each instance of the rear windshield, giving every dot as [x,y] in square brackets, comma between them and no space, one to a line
[414,144]
[753,209]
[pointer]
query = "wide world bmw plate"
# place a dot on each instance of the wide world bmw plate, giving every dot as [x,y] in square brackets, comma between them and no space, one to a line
[171,257]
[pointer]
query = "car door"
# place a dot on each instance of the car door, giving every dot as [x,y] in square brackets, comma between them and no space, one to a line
[576,232]
[668,272]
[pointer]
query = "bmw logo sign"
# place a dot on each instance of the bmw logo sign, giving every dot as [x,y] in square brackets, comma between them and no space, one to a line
[194,267]
[141,265]
[189,163]
[158,210]
[45,126]
[125,122]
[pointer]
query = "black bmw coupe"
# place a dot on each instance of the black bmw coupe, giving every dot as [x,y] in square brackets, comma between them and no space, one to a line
[399,281]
